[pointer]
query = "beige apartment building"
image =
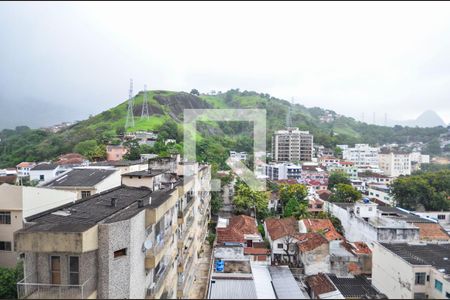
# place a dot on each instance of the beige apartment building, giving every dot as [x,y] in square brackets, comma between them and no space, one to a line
[292,145]
[17,203]
[394,163]
[132,241]
[412,270]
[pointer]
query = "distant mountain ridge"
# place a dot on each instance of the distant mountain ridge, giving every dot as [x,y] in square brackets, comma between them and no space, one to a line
[428,118]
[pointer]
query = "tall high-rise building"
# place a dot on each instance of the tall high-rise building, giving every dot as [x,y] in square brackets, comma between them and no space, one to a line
[292,145]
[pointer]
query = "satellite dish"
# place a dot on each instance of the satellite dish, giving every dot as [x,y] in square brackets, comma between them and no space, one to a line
[147,245]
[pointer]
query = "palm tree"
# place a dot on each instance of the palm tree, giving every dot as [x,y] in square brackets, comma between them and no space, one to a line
[302,211]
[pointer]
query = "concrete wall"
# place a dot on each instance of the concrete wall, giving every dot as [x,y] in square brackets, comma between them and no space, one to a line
[391,275]
[317,260]
[23,202]
[109,182]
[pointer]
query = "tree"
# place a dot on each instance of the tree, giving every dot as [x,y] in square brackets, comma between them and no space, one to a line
[337,152]
[246,199]
[195,92]
[134,150]
[428,190]
[9,278]
[433,147]
[336,178]
[90,149]
[216,202]
[345,193]
[296,191]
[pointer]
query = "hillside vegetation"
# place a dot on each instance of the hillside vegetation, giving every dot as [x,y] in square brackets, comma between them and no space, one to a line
[214,139]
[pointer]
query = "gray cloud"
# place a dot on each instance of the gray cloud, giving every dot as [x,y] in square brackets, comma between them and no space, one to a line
[75,59]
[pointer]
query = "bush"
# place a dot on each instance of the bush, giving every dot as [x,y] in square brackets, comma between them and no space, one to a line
[8,280]
[211,237]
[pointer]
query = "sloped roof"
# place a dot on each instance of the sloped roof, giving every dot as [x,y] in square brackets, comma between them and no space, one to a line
[80,177]
[310,241]
[324,194]
[70,158]
[238,226]
[25,164]
[278,228]
[323,225]
[8,179]
[357,247]
[431,231]
[44,167]
[320,284]
[256,251]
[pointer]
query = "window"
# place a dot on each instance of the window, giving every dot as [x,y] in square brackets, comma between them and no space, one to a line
[55,269]
[121,252]
[41,177]
[420,278]
[85,194]
[441,217]
[5,217]
[447,295]
[280,246]
[438,285]
[74,270]
[419,296]
[5,246]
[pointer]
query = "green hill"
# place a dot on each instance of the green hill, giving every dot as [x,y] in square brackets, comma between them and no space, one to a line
[214,139]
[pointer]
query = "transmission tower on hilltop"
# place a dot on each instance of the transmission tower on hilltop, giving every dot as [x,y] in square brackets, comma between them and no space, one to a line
[144,113]
[130,116]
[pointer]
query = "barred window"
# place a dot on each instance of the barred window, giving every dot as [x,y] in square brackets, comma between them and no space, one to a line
[5,217]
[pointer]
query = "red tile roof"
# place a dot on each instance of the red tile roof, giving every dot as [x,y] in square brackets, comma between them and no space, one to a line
[238,226]
[70,158]
[357,247]
[432,231]
[323,225]
[324,194]
[8,179]
[320,284]
[256,251]
[25,164]
[310,241]
[278,228]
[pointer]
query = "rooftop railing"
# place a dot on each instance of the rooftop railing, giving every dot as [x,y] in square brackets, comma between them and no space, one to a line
[33,290]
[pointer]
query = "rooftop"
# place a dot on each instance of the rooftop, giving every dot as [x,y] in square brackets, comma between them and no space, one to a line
[83,214]
[278,228]
[310,241]
[145,173]
[284,283]
[237,228]
[324,226]
[354,287]
[44,167]
[80,177]
[320,284]
[118,163]
[432,231]
[436,255]
[232,289]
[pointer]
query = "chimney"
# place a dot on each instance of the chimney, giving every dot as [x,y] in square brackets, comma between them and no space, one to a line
[113,202]
[140,203]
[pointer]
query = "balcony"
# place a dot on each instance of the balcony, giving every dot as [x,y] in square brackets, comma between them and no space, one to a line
[153,255]
[27,290]
[155,287]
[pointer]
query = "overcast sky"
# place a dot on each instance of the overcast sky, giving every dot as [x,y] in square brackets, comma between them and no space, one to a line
[64,61]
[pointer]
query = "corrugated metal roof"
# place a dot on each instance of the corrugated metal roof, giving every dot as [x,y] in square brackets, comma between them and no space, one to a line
[232,289]
[284,283]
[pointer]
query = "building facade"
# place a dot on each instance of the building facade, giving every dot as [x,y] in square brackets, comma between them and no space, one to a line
[395,164]
[292,145]
[361,155]
[132,242]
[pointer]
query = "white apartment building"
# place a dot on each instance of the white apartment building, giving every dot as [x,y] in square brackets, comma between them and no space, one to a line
[292,145]
[419,158]
[412,270]
[381,193]
[238,155]
[18,203]
[44,172]
[361,155]
[395,163]
[283,171]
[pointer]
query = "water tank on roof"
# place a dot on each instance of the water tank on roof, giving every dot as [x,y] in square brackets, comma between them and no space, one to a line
[220,265]
[366,200]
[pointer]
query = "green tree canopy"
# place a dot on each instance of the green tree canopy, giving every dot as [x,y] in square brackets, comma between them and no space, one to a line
[90,149]
[428,190]
[345,193]
[246,199]
[336,178]
[297,191]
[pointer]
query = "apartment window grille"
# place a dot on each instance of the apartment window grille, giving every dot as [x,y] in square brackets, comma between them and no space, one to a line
[85,194]
[5,246]
[280,246]
[441,217]
[5,217]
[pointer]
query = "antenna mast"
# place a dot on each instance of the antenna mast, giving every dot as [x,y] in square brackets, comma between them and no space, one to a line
[130,117]
[144,113]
